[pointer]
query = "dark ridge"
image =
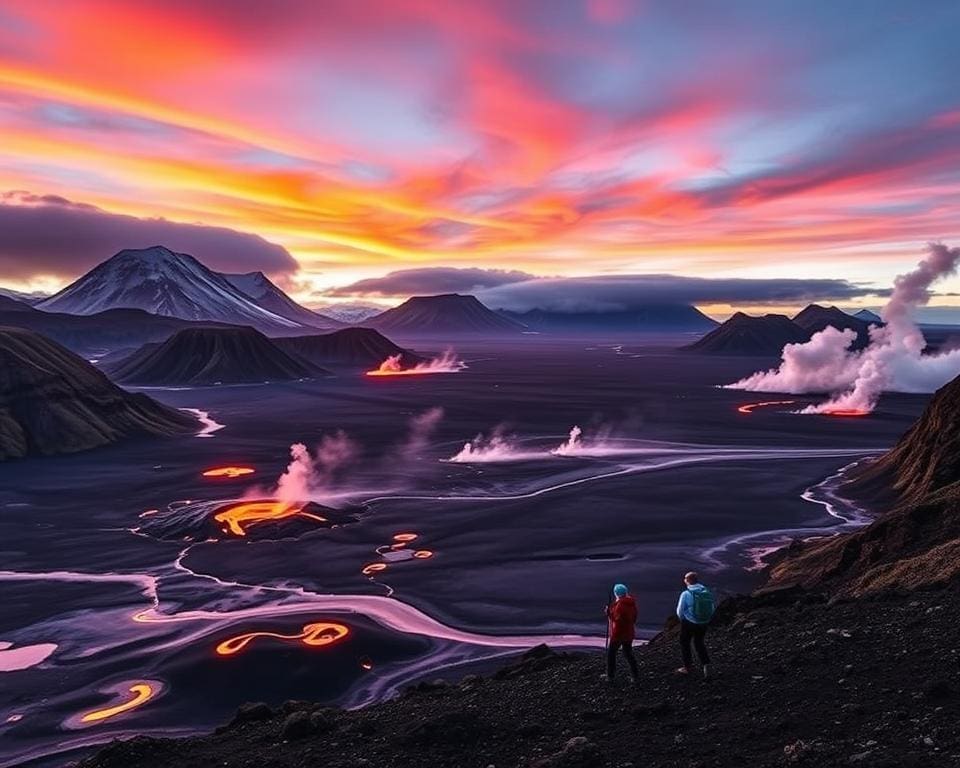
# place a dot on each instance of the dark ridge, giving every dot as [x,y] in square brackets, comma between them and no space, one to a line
[745,334]
[93,334]
[348,347]
[52,401]
[444,314]
[202,356]
[654,318]
[916,542]
[814,318]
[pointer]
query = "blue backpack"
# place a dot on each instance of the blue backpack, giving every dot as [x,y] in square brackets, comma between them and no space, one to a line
[704,606]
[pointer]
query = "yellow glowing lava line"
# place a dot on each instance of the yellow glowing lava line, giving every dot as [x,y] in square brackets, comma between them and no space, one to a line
[142,693]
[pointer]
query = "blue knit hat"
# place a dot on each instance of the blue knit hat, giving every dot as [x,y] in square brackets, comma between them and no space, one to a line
[620,590]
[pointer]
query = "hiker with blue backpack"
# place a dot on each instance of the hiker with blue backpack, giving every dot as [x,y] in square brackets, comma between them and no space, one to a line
[694,609]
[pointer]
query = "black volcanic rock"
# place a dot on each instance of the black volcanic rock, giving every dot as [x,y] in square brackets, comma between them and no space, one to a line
[744,334]
[348,347]
[649,319]
[93,334]
[798,682]
[52,401]
[201,356]
[814,318]
[916,543]
[449,313]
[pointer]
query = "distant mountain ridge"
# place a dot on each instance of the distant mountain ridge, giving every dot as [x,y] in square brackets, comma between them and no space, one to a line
[267,295]
[52,401]
[93,334]
[170,284]
[814,318]
[348,347]
[745,334]
[206,356]
[651,318]
[449,313]
[766,335]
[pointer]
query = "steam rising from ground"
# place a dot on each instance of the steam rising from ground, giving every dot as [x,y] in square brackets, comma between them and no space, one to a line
[498,446]
[310,476]
[322,474]
[893,360]
[448,362]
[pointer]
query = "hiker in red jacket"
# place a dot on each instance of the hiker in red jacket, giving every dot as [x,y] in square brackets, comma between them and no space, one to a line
[621,615]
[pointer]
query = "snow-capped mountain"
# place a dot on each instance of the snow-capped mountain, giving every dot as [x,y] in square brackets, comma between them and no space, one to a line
[267,295]
[165,283]
[350,314]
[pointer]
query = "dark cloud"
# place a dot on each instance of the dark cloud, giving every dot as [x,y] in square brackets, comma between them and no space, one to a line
[620,293]
[47,234]
[431,280]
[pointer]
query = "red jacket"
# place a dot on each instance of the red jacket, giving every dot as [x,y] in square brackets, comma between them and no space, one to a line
[622,616]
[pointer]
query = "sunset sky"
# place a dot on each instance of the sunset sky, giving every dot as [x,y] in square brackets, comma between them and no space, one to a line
[343,140]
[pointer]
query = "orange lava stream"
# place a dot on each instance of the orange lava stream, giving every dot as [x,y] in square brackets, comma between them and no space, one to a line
[315,635]
[403,538]
[846,412]
[749,407]
[423,554]
[142,693]
[253,512]
[229,472]
[373,568]
[398,372]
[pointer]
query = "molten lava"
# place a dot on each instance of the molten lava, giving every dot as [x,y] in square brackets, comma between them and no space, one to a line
[446,363]
[749,407]
[846,412]
[315,635]
[369,570]
[237,518]
[142,693]
[403,538]
[229,472]
[366,664]
[423,554]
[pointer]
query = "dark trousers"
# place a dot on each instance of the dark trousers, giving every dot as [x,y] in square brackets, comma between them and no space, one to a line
[627,646]
[690,632]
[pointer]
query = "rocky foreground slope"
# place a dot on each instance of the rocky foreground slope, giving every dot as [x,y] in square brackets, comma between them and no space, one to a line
[52,401]
[847,657]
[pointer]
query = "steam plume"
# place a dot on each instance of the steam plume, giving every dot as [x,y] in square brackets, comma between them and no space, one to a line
[893,360]
[448,362]
[311,476]
[499,446]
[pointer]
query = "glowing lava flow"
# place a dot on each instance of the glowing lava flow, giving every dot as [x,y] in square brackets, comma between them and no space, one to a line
[142,693]
[446,363]
[749,407]
[229,472]
[846,412]
[315,635]
[252,512]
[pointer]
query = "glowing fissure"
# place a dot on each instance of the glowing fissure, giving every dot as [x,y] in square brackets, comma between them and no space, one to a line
[142,693]
[315,635]
[229,472]
[448,362]
[238,517]
[751,407]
